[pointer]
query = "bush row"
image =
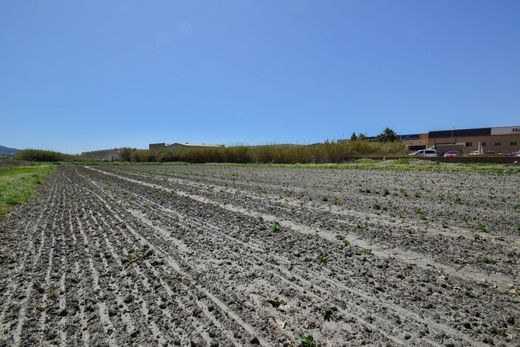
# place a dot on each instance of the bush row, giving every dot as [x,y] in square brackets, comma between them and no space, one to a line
[328,152]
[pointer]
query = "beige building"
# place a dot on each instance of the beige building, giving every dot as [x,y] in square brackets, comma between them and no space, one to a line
[501,140]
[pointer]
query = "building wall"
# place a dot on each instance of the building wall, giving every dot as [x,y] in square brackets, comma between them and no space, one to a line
[417,141]
[155,147]
[498,143]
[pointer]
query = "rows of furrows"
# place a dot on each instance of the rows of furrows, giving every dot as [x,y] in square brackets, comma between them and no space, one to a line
[225,264]
[439,213]
[24,242]
[99,260]
[455,248]
[462,199]
[139,306]
[363,275]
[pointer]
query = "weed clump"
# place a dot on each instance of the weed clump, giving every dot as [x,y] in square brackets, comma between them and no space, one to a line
[307,340]
[486,260]
[276,228]
[366,250]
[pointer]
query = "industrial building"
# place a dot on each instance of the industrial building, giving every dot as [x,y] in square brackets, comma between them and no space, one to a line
[498,140]
[156,147]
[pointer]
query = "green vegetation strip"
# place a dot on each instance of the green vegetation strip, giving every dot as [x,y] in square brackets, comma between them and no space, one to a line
[18,183]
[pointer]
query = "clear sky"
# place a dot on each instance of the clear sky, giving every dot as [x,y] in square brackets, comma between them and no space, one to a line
[81,75]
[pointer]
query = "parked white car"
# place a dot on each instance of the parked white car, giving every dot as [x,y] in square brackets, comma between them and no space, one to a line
[424,153]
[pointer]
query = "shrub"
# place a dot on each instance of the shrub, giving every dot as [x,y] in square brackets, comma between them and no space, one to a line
[39,155]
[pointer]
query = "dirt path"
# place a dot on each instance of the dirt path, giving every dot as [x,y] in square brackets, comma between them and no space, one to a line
[182,256]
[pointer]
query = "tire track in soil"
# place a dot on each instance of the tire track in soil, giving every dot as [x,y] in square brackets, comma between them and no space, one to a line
[452,332]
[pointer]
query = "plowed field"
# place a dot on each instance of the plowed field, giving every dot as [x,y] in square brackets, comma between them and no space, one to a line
[221,255]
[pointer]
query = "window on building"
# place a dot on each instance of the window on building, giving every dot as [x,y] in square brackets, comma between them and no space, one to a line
[484,143]
[469,144]
[498,143]
[512,143]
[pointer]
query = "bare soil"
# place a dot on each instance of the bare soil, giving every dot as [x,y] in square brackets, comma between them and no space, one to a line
[216,255]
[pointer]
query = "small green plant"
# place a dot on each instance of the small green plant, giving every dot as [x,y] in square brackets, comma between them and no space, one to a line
[263,227]
[377,206]
[458,200]
[307,340]
[322,258]
[327,313]
[196,311]
[275,228]
[517,291]
[403,191]
[518,227]
[347,243]
[421,214]
[136,256]
[366,250]
[386,192]
[325,199]
[53,293]
[486,260]
[418,195]
[482,227]
[465,220]
[445,224]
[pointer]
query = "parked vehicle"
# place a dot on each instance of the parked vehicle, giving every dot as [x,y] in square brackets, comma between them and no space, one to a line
[450,154]
[474,153]
[424,153]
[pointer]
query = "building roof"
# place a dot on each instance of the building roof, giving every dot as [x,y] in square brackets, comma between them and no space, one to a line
[186,144]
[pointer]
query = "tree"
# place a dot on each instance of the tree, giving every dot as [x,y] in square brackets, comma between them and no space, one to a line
[353,137]
[126,154]
[388,135]
[362,136]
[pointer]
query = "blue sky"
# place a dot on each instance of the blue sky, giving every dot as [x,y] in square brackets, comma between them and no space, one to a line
[81,75]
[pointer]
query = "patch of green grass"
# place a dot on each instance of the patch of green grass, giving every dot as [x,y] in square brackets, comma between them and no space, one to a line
[307,340]
[486,260]
[458,200]
[18,183]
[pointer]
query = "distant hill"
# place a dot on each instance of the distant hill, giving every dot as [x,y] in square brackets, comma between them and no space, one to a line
[7,150]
